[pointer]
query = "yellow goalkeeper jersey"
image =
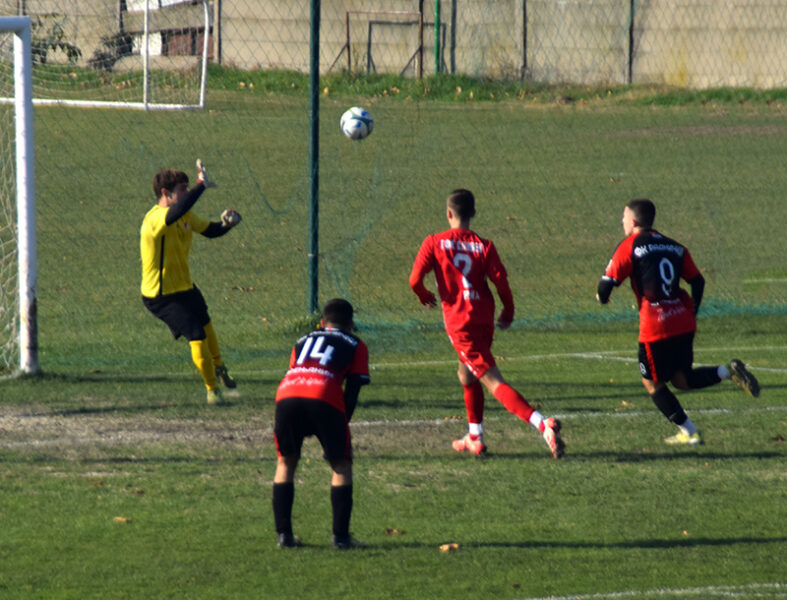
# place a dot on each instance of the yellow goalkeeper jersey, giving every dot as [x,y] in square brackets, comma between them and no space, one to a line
[165,251]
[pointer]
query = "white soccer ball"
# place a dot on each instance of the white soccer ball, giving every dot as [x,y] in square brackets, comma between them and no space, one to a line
[357,123]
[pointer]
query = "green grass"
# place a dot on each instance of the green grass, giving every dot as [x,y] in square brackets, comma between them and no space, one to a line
[117,426]
[621,513]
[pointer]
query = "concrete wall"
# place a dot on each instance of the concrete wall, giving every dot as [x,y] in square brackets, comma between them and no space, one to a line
[685,43]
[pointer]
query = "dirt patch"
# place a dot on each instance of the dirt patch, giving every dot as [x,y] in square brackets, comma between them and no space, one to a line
[27,428]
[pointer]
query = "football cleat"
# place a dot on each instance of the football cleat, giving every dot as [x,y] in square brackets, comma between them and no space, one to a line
[224,377]
[346,542]
[684,439]
[287,540]
[215,397]
[741,377]
[552,437]
[465,444]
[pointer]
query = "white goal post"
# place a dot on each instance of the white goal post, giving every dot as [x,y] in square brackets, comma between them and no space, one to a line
[137,54]
[22,314]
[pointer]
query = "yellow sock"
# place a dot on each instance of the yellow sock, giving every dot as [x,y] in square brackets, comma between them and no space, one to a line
[200,354]
[213,344]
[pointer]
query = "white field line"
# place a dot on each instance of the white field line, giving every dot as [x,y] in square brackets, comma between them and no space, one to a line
[763,590]
[573,415]
[767,280]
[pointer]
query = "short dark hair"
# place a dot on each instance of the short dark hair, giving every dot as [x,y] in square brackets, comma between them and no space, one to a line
[338,312]
[644,212]
[168,179]
[462,202]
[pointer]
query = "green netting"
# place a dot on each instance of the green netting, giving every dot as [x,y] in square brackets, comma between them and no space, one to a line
[551,168]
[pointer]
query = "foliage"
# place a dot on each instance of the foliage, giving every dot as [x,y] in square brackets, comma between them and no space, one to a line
[113,48]
[49,34]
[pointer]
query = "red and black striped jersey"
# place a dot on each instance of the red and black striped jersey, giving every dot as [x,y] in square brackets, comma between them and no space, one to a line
[319,364]
[656,264]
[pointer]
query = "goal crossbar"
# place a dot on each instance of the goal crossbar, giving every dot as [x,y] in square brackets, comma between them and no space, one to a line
[145,103]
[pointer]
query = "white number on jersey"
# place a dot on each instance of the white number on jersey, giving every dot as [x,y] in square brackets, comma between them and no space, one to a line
[313,349]
[667,272]
[464,263]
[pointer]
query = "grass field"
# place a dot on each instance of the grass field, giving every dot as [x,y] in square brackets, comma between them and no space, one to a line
[622,514]
[117,481]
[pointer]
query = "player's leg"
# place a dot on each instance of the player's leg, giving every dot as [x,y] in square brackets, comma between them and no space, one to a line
[220,367]
[516,404]
[662,361]
[288,434]
[193,319]
[474,406]
[743,378]
[342,504]
[333,432]
[202,359]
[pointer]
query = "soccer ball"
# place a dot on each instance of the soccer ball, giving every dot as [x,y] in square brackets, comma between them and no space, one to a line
[357,123]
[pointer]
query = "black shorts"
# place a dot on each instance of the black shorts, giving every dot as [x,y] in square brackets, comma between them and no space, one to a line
[185,313]
[659,361]
[298,418]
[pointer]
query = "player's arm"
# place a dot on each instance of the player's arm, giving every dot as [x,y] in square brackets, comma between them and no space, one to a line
[177,210]
[229,219]
[605,286]
[499,277]
[357,377]
[618,269]
[352,388]
[421,267]
[695,279]
[697,289]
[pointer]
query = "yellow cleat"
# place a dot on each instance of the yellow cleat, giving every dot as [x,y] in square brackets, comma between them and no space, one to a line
[684,439]
[215,397]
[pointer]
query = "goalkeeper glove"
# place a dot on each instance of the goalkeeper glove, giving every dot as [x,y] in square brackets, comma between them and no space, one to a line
[230,218]
[202,175]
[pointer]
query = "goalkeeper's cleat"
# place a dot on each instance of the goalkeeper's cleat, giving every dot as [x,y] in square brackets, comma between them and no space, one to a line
[287,540]
[223,376]
[466,444]
[684,439]
[741,377]
[202,175]
[552,437]
[346,542]
[215,397]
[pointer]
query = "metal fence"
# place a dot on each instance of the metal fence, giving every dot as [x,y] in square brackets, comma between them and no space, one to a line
[683,43]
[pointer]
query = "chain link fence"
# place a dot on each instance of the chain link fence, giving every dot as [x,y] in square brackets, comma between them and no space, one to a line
[551,180]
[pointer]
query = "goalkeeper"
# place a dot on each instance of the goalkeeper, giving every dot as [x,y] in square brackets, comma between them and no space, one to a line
[167,289]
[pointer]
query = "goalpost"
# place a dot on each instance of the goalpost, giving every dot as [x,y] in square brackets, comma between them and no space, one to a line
[138,54]
[18,319]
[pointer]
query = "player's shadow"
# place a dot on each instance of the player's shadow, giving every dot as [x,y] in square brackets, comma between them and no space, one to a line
[646,544]
[633,458]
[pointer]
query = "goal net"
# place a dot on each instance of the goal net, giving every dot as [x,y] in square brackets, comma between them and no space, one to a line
[148,54]
[18,328]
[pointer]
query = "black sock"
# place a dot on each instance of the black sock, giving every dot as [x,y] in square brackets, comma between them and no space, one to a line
[283,497]
[342,504]
[669,406]
[702,377]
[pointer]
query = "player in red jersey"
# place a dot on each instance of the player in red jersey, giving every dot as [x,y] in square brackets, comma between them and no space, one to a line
[462,263]
[317,396]
[656,264]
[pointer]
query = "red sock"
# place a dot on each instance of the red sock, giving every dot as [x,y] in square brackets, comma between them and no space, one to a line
[474,402]
[514,401]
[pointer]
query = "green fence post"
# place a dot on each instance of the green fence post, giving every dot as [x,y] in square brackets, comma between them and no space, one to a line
[314,157]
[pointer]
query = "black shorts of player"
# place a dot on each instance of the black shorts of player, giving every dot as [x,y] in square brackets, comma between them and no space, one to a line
[298,418]
[185,313]
[660,360]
